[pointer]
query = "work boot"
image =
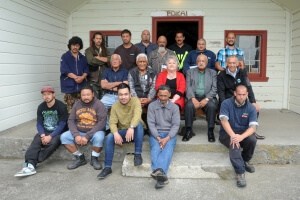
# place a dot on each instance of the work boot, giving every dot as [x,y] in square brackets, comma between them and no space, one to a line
[105,172]
[95,163]
[249,167]
[241,180]
[138,160]
[79,160]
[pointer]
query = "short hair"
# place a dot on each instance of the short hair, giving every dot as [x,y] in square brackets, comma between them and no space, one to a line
[115,54]
[164,87]
[87,87]
[232,56]
[240,85]
[75,40]
[141,55]
[203,56]
[180,31]
[202,39]
[123,86]
[172,57]
[126,31]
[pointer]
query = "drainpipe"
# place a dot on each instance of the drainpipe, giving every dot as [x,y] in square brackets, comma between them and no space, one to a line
[287,61]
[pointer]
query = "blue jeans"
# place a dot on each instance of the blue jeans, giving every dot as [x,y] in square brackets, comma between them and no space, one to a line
[108,100]
[161,158]
[110,143]
[96,140]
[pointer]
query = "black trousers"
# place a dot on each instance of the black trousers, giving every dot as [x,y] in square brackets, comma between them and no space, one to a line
[37,152]
[210,110]
[238,156]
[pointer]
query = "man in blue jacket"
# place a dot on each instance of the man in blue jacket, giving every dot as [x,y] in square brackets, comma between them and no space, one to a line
[74,70]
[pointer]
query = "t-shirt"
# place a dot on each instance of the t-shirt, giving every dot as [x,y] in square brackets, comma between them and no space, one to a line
[128,56]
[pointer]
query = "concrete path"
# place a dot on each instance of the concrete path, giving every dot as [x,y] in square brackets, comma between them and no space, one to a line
[54,181]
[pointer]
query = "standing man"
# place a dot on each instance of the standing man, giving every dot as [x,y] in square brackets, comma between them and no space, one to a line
[232,76]
[145,45]
[52,117]
[86,123]
[180,48]
[190,61]
[125,125]
[201,92]
[164,121]
[74,71]
[127,50]
[97,58]
[158,57]
[238,120]
[229,50]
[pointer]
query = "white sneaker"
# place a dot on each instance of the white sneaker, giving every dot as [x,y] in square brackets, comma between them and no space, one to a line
[26,171]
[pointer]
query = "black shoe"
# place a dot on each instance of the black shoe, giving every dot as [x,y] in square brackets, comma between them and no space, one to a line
[79,160]
[105,172]
[241,180]
[211,135]
[138,160]
[249,168]
[259,137]
[95,163]
[155,173]
[187,136]
[162,179]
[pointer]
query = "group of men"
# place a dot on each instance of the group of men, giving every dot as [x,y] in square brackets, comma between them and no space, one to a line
[124,82]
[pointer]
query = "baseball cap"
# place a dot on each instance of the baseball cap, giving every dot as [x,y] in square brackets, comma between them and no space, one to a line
[47,88]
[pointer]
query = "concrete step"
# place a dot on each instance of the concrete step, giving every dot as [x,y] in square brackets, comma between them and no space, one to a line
[191,165]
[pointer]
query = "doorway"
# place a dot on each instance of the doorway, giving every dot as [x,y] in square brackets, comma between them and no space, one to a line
[167,26]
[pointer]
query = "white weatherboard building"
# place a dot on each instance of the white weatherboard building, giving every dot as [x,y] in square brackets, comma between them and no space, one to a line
[34,34]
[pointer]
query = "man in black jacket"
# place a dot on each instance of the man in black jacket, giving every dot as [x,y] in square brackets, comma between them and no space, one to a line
[229,78]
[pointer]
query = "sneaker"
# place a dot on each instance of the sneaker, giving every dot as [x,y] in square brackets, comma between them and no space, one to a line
[27,170]
[249,167]
[105,172]
[162,179]
[241,180]
[95,163]
[79,160]
[138,160]
[155,173]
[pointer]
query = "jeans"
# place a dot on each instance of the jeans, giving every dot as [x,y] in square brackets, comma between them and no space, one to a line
[96,140]
[108,100]
[37,152]
[110,143]
[161,158]
[238,156]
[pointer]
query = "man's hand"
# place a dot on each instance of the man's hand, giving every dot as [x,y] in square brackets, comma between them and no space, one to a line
[144,101]
[129,134]
[118,138]
[236,139]
[46,139]
[84,141]
[78,140]
[164,141]
[79,79]
[196,103]
[203,103]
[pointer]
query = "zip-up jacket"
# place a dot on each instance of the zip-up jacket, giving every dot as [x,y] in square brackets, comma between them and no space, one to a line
[77,66]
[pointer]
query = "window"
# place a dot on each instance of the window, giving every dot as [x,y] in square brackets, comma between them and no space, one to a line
[112,39]
[254,45]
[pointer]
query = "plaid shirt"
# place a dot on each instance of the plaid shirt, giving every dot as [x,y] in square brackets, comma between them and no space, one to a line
[226,52]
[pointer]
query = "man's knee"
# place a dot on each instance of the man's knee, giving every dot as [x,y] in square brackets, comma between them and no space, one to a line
[98,139]
[67,138]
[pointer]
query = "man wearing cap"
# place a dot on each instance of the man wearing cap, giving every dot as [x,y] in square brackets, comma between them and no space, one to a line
[51,121]
[74,70]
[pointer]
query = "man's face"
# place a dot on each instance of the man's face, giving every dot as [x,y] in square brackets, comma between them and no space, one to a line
[75,48]
[48,96]
[201,45]
[241,94]
[145,36]
[115,61]
[126,38]
[124,96]
[86,95]
[179,38]
[201,62]
[230,40]
[232,64]
[98,40]
[142,63]
[162,42]
[163,96]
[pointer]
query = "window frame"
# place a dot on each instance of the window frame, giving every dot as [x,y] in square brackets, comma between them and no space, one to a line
[105,33]
[255,77]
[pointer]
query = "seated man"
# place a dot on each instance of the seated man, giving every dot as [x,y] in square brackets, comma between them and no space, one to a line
[86,123]
[125,125]
[142,83]
[238,120]
[229,78]
[164,121]
[52,117]
[201,91]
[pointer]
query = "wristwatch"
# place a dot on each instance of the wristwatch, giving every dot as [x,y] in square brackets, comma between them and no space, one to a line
[131,126]
[207,99]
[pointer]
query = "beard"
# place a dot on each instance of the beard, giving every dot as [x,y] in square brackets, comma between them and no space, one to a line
[161,49]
